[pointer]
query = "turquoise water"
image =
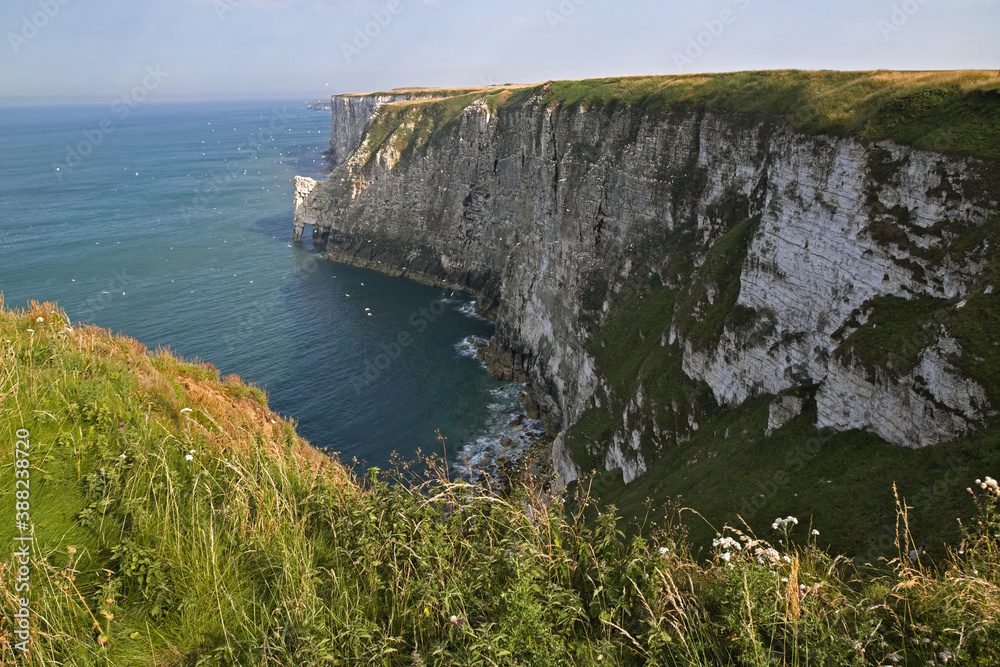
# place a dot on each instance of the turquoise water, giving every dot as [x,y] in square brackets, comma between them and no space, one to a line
[173,226]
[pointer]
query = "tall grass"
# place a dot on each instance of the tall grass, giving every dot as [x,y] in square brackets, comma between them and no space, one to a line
[178,521]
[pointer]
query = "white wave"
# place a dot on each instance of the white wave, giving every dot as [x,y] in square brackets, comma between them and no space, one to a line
[506,436]
[469,310]
[466,348]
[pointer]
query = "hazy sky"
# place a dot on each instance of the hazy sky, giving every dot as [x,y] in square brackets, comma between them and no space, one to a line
[104,49]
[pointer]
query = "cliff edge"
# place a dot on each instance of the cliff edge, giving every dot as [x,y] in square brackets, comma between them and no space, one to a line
[658,250]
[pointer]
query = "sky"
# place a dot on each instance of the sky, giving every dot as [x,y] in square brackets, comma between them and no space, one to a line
[102,50]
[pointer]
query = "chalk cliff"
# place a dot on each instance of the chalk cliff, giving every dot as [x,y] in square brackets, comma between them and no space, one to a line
[764,254]
[351,113]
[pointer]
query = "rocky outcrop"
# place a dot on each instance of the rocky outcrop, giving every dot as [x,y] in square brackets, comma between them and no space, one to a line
[351,113]
[307,210]
[929,405]
[547,211]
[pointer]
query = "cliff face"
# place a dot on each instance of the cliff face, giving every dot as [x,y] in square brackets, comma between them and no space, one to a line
[351,113]
[350,116]
[767,258]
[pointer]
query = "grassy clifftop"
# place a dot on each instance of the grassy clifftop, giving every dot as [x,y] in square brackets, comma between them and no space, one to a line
[177,521]
[956,112]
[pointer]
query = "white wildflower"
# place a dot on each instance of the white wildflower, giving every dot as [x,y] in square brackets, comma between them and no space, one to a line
[781,523]
[188,457]
[40,319]
[725,555]
[727,543]
[767,556]
[815,532]
[185,410]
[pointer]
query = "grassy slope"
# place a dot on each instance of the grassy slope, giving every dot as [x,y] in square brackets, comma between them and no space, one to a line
[258,550]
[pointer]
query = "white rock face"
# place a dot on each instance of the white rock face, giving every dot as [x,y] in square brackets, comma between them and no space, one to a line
[547,212]
[350,116]
[931,404]
[812,265]
[305,209]
[563,468]
[782,410]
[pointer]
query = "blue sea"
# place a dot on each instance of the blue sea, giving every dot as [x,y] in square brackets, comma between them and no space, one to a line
[172,223]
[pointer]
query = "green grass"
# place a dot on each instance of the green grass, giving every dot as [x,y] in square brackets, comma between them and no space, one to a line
[259,550]
[701,319]
[896,332]
[956,112]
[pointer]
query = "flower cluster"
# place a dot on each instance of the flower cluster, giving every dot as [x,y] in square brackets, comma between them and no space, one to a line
[781,523]
[726,543]
[990,485]
[767,556]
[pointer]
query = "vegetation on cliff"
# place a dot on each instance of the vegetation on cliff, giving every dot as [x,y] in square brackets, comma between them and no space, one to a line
[955,112]
[727,468]
[684,276]
[177,521]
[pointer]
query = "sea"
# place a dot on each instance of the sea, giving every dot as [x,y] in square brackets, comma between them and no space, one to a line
[172,224]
